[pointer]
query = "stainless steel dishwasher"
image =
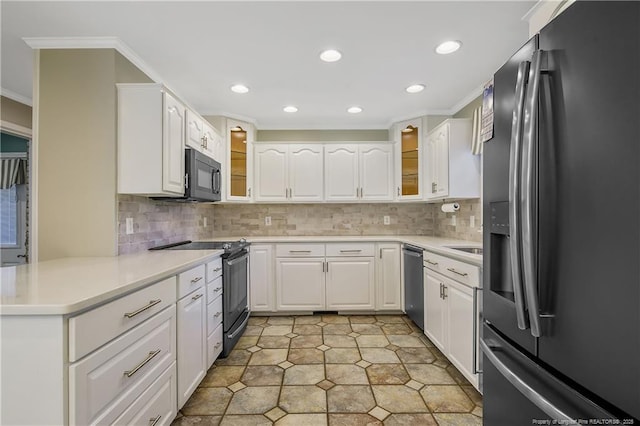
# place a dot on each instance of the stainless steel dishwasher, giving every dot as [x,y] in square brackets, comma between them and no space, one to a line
[413,284]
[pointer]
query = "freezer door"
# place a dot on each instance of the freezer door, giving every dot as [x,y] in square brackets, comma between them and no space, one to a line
[500,298]
[519,392]
[589,200]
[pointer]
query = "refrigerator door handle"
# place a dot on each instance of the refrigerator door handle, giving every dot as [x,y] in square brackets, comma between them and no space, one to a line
[531,394]
[514,194]
[527,195]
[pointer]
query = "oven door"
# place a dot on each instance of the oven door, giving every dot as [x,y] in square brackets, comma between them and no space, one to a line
[204,179]
[234,273]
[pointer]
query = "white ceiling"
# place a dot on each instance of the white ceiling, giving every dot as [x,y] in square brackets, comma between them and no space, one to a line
[199,49]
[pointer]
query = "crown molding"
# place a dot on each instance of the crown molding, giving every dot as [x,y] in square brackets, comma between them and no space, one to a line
[16,96]
[232,116]
[94,43]
[467,99]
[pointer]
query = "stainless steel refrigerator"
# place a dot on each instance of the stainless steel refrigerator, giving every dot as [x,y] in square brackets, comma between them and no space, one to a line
[561,195]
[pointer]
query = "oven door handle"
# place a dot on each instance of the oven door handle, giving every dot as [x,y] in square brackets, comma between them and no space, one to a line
[240,328]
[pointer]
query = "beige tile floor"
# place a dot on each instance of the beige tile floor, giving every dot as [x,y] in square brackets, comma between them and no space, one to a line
[333,370]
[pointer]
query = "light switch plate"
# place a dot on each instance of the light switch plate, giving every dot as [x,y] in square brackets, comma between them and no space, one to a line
[386,220]
[204,221]
[129,226]
[267,220]
[472,221]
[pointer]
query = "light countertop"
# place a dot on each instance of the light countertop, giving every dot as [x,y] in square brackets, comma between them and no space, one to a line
[69,285]
[434,244]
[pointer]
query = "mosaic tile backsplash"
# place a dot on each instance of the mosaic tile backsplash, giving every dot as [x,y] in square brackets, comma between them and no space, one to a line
[157,222]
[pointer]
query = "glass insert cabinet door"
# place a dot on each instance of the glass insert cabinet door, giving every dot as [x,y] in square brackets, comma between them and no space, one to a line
[409,182]
[240,138]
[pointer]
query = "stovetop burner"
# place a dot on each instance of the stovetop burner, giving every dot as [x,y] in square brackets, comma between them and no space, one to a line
[229,247]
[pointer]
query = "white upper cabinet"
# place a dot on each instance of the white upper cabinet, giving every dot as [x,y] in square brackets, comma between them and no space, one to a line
[213,143]
[239,161]
[288,172]
[341,173]
[376,172]
[356,172]
[195,131]
[151,141]
[452,170]
[409,180]
[305,172]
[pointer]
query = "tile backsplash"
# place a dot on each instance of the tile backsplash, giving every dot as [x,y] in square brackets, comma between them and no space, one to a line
[462,230]
[323,219]
[159,222]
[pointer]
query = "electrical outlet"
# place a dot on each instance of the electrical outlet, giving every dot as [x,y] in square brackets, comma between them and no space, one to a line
[204,221]
[453,220]
[386,220]
[472,221]
[267,220]
[129,225]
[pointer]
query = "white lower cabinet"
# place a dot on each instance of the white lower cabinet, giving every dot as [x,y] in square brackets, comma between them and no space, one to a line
[300,284]
[388,274]
[350,283]
[192,328]
[261,283]
[449,321]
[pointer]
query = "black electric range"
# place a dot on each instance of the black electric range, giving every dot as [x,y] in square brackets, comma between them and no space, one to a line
[230,247]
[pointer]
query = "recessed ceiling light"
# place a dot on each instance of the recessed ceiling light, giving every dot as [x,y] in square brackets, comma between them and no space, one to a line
[239,88]
[354,110]
[290,108]
[330,55]
[448,47]
[415,88]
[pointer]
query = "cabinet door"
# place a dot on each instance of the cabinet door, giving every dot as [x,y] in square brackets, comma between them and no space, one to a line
[240,161]
[376,172]
[300,284]
[261,289]
[388,277]
[350,283]
[195,132]
[212,143]
[438,163]
[305,172]
[434,311]
[192,349]
[460,333]
[341,172]
[408,136]
[271,172]
[173,145]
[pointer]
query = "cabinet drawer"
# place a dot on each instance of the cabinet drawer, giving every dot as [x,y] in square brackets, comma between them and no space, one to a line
[351,249]
[214,269]
[103,384]
[190,280]
[214,314]
[214,289]
[299,250]
[94,328]
[158,402]
[214,345]
[460,271]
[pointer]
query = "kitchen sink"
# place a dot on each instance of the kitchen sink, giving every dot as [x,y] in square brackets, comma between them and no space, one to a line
[472,250]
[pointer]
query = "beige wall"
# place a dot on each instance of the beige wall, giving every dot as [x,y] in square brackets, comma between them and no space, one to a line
[322,135]
[77,204]
[15,112]
[467,110]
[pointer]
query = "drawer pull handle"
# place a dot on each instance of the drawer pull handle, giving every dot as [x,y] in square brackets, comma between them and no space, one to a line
[197,296]
[430,262]
[151,304]
[299,251]
[462,274]
[217,345]
[350,251]
[151,355]
[217,269]
[153,421]
[217,289]
[217,314]
[195,280]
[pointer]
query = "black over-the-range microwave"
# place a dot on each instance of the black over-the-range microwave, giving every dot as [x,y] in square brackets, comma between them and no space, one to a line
[203,179]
